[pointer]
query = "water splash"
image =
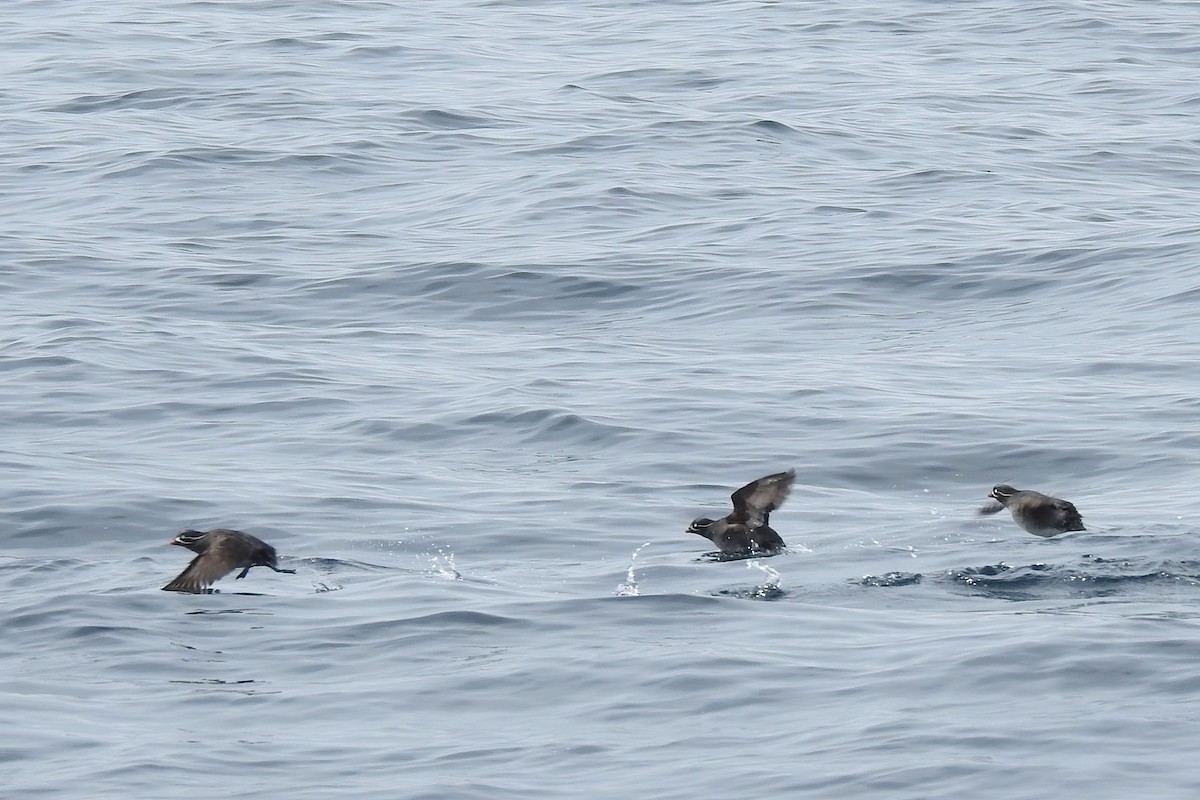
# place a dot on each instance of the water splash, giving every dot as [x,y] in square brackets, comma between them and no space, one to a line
[442,565]
[629,587]
[770,589]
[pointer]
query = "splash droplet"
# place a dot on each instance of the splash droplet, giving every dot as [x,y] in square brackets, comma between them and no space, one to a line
[629,587]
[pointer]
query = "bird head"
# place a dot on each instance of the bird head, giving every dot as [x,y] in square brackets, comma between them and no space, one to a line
[1001,493]
[190,539]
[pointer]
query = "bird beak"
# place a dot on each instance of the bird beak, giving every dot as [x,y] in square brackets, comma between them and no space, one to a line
[992,495]
[173,541]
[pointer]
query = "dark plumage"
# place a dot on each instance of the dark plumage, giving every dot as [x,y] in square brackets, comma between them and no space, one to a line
[746,529]
[1037,513]
[221,551]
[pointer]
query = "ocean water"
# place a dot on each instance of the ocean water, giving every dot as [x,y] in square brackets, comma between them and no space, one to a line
[470,307]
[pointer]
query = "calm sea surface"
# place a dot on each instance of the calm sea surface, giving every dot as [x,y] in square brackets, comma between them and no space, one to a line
[470,307]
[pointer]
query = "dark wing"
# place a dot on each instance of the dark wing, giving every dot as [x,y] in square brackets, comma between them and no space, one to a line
[204,571]
[990,508]
[1069,515]
[767,539]
[1056,513]
[754,501]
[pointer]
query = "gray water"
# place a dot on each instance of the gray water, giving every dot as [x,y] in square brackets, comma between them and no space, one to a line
[470,307]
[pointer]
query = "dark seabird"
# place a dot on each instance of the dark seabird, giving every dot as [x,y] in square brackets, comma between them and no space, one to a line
[746,529]
[1037,513]
[221,551]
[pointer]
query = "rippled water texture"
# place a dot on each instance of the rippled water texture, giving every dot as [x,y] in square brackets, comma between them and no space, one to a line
[469,308]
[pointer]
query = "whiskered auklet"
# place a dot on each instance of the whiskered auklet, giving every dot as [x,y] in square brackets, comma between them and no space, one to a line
[221,551]
[1040,514]
[746,529]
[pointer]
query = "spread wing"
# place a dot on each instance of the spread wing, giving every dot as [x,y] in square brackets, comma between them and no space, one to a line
[754,501]
[203,572]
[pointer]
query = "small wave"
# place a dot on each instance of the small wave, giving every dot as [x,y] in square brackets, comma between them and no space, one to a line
[890,579]
[546,425]
[767,590]
[444,120]
[140,98]
[245,686]
[1094,576]
[340,158]
[773,126]
[656,78]
[481,291]
[459,619]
